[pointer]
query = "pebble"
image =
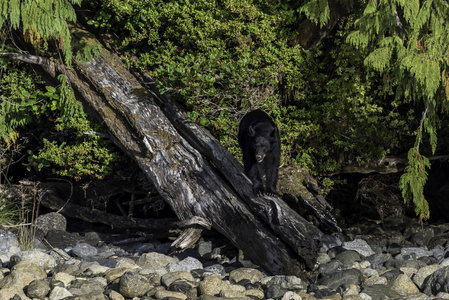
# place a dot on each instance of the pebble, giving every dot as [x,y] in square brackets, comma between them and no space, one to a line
[391,265]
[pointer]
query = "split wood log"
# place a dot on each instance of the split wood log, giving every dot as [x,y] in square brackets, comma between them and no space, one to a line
[195,175]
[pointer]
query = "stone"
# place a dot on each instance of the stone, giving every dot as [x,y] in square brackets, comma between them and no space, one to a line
[38,289]
[188,264]
[51,221]
[291,296]
[113,274]
[84,250]
[22,274]
[59,293]
[62,239]
[423,273]
[38,257]
[330,267]
[85,287]
[169,278]
[347,258]
[9,245]
[359,246]
[213,285]
[133,285]
[379,292]
[323,258]
[113,295]
[375,280]
[416,252]
[186,287]
[215,269]
[285,282]
[8,293]
[378,260]
[204,248]
[334,280]
[404,286]
[162,294]
[64,278]
[437,282]
[253,275]
[155,262]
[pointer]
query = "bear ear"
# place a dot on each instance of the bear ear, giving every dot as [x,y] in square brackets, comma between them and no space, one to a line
[251,130]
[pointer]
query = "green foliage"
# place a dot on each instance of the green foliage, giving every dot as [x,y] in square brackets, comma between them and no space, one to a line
[317,10]
[223,58]
[41,21]
[21,99]
[408,41]
[59,122]
[411,183]
[73,153]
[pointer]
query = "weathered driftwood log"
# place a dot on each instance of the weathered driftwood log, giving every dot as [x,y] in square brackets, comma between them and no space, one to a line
[57,196]
[196,176]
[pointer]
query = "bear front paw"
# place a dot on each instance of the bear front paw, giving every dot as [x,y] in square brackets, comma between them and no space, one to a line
[259,192]
[271,194]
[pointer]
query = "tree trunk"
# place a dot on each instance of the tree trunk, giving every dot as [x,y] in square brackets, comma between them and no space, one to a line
[195,175]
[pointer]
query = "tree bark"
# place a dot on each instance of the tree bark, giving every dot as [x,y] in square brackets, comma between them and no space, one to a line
[195,175]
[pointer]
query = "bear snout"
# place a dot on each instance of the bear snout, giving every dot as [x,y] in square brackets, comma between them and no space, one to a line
[260,157]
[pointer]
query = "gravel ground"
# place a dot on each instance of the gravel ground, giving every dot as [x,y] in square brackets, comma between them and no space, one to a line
[394,259]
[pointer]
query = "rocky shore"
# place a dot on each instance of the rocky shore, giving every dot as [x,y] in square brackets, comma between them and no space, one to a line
[394,259]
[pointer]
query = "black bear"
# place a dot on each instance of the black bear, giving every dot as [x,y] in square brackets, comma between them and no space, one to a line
[261,146]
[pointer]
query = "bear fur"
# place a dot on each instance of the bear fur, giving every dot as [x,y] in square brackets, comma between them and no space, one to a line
[261,146]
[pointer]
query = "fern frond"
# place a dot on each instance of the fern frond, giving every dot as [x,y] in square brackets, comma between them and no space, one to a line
[412,182]
[317,11]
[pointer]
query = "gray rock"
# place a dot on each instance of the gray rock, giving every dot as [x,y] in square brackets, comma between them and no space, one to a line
[133,285]
[291,296]
[415,252]
[213,285]
[323,258]
[204,248]
[437,282]
[85,287]
[404,286]
[38,289]
[380,292]
[62,239]
[51,221]
[329,242]
[188,264]
[215,269]
[252,275]
[401,263]
[423,273]
[169,278]
[9,245]
[185,287]
[22,274]
[419,235]
[285,282]
[59,293]
[349,257]
[330,267]
[275,292]
[360,246]
[84,250]
[155,262]
[38,257]
[336,279]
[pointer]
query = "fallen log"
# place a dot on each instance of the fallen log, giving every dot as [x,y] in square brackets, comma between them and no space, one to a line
[195,175]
